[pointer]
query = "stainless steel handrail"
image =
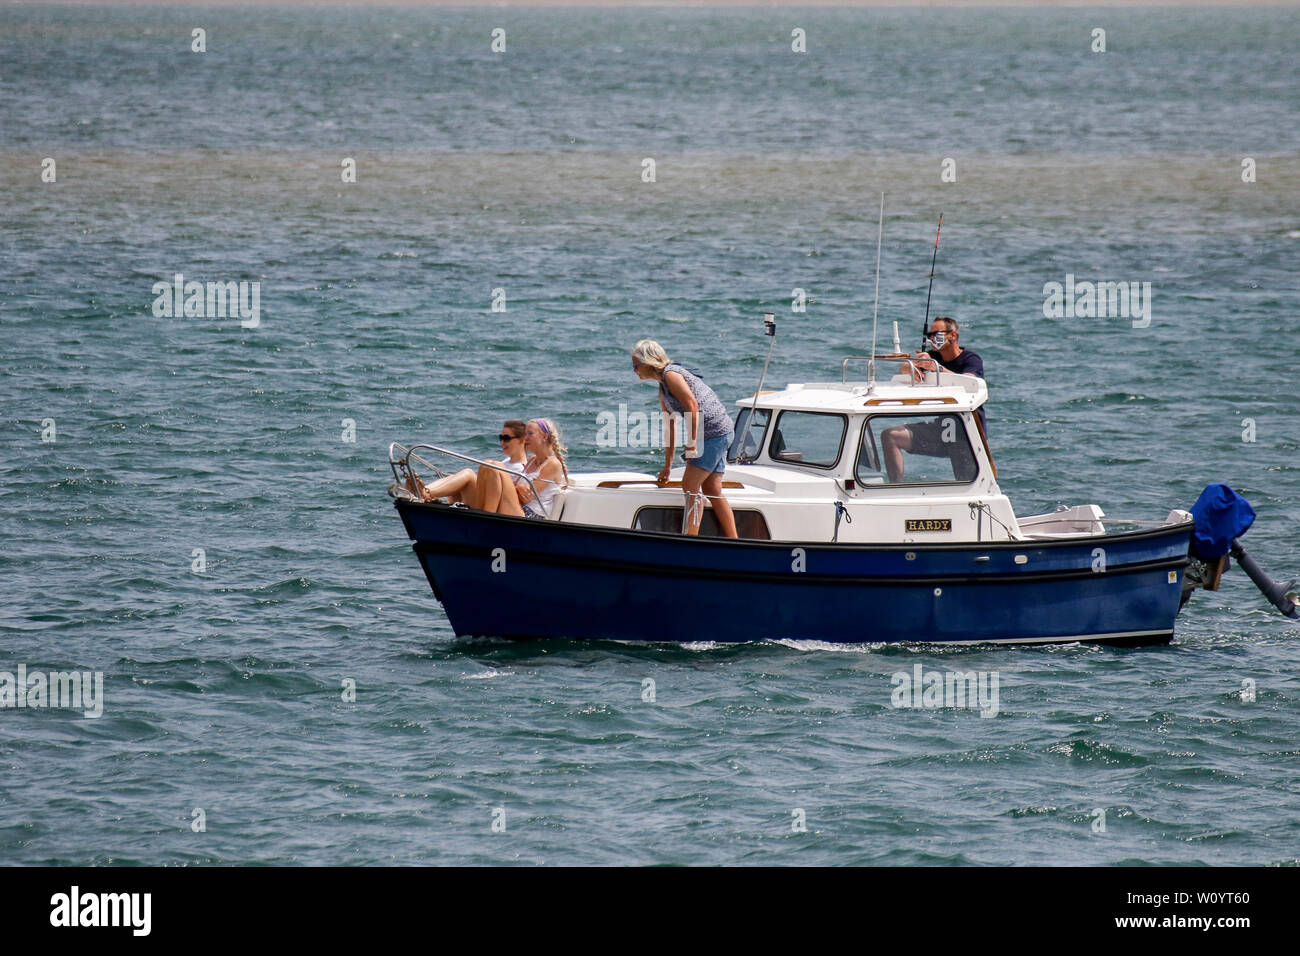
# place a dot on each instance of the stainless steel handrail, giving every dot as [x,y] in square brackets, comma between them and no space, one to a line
[938,370]
[905,360]
[844,366]
[395,462]
[404,462]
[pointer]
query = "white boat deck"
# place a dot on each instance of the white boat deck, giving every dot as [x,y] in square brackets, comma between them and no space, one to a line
[818,467]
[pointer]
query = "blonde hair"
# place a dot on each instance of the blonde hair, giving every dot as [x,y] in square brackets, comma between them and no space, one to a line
[649,352]
[552,433]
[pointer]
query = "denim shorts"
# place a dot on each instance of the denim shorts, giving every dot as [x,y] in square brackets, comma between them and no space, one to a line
[713,454]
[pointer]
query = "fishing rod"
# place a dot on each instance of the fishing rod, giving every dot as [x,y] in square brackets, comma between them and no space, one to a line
[925,327]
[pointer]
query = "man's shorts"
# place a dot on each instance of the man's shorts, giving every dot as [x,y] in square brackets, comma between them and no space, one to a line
[927,439]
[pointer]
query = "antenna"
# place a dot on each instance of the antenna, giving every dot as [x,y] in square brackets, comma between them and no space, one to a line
[875,306]
[925,327]
[769,328]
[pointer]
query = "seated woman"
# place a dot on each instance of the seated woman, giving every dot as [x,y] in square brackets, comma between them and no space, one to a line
[512,443]
[491,489]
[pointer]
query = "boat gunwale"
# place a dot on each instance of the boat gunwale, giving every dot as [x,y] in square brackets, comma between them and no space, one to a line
[1021,544]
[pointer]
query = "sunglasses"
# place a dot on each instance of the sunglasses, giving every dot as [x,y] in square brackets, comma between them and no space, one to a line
[509,438]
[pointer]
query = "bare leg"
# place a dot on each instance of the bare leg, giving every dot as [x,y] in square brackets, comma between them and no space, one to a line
[721,507]
[692,479]
[480,491]
[895,441]
[453,486]
[508,499]
[489,489]
[494,491]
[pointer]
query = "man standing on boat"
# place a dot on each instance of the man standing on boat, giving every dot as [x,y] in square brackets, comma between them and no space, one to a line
[950,356]
[925,438]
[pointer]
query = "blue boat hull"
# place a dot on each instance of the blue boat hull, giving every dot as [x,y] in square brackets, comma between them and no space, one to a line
[528,578]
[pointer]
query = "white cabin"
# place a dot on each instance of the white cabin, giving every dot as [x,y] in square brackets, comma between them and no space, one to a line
[896,463]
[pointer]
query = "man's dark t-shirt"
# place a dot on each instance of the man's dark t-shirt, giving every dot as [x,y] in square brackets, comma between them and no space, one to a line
[966,363]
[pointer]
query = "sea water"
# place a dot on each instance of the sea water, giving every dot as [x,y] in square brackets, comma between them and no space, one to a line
[194,507]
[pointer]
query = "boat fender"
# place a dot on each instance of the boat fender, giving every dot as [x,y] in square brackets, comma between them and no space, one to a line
[693,513]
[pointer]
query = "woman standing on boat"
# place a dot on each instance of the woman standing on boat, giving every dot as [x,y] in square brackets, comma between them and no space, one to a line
[708,433]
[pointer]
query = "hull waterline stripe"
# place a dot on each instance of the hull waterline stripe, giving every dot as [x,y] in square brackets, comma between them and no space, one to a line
[803,577]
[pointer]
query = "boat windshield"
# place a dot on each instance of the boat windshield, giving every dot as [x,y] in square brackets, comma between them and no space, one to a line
[808,438]
[745,447]
[915,450]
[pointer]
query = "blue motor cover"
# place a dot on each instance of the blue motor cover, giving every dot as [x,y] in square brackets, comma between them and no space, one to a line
[1221,515]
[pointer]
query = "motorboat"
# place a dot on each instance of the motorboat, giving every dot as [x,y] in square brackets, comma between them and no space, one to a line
[867,512]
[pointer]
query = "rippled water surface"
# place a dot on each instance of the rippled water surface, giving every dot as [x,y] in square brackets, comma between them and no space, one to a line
[522,171]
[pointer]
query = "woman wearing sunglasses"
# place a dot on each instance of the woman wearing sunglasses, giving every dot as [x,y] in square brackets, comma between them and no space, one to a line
[492,489]
[512,443]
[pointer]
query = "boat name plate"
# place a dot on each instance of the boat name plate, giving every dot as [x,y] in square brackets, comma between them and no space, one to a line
[927,524]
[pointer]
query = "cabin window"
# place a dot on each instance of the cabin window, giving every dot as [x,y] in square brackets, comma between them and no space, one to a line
[749,523]
[746,447]
[915,450]
[808,438]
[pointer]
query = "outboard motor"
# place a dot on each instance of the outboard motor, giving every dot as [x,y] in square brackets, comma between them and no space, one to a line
[1221,517]
[1283,596]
